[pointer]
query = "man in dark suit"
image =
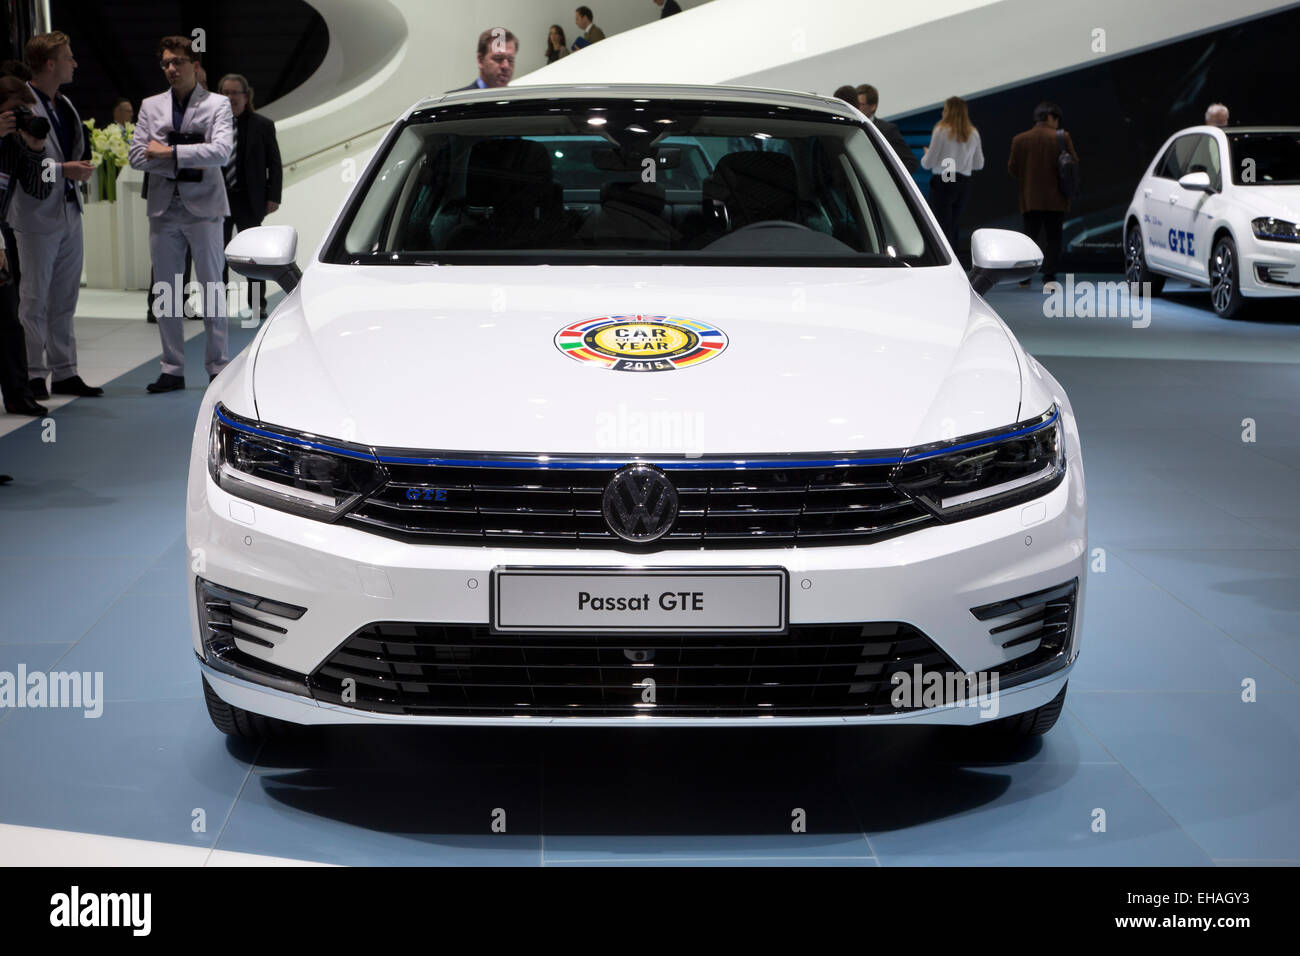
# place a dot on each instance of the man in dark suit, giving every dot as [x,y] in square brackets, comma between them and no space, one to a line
[868,100]
[253,174]
[497,47]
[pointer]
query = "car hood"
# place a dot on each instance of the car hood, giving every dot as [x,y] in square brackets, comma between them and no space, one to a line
[464,358]
[1280,202]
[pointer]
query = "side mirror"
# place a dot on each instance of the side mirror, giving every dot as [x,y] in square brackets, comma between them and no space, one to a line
[266,253]
[1197,182]
[1001,255]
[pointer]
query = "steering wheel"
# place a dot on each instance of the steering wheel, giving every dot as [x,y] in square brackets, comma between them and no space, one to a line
[773,224]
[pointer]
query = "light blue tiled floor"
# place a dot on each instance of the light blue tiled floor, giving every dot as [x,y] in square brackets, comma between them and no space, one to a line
[1200,593]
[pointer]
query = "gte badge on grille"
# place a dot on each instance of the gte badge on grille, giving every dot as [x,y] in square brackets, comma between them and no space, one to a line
[640,504]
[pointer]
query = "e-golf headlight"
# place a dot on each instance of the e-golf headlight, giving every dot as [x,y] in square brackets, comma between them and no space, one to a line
[293,471]
[981,473]
[1275,230]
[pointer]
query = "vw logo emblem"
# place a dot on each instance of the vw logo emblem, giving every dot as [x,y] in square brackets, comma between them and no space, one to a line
[640,504]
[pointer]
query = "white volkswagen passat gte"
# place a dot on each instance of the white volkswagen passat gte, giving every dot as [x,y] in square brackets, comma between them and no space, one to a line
[640,446]
[1220,207]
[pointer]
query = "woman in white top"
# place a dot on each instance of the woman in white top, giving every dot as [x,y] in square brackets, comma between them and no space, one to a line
[953,154]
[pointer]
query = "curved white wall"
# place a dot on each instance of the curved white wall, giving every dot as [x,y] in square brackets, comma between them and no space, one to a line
[386,54]
[917,54]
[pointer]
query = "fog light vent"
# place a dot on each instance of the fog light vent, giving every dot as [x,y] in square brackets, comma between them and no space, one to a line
[228,618]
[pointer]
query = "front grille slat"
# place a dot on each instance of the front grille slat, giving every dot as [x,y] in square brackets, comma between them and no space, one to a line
[465,670]
[728,506]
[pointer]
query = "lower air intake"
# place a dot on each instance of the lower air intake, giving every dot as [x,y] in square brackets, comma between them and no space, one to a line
[1040,623]
[464,670]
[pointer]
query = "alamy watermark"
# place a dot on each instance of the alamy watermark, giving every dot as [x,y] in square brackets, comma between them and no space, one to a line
[921,688]
[660,430]
[1103,300]
[77,909]
[170,297]
[82,690]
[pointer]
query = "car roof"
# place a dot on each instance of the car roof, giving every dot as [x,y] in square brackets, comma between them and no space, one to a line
[671,91]
[1204,128]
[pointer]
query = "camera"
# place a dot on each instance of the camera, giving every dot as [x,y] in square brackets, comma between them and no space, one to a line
[189,174]
[37,127]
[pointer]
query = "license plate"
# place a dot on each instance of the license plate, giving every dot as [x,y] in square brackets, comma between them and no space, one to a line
[641,601]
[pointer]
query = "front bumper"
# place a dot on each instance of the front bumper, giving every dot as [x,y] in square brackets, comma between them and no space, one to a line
[1269,269]
[346,579]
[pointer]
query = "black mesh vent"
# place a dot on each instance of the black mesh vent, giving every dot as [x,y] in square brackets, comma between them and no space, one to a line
[1041,622]
[464,670]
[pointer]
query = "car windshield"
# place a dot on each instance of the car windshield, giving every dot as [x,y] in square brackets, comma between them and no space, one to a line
[557,181]
[1269,158]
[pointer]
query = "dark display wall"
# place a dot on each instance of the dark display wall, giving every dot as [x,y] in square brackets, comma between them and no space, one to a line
[1118,113]
[277,44]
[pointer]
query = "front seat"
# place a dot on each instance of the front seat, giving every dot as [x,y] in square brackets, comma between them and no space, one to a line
[631,216]
[750,187]
[511,199]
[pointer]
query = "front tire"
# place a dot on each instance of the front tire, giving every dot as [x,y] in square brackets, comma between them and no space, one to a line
[237,722]
[1135,262]
[1225,280]
[1032,723]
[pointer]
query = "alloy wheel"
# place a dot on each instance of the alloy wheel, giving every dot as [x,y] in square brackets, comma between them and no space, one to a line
[1134,264]
[1222,277]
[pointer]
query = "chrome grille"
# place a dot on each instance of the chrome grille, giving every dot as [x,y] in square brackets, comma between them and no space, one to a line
[727,506]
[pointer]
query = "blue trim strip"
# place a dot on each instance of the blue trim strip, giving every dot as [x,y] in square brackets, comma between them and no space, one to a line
[984,441]
[597,463]
[289,439]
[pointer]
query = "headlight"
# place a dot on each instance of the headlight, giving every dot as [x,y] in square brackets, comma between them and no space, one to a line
[1276,230]
[982,473]
[292,471]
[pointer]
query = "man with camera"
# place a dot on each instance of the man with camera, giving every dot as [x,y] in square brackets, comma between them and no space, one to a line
[48,230]
[22,143]
[182,139]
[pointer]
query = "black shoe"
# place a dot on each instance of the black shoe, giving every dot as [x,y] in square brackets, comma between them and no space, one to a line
[25,405]
[37,387]
[151,318]
[73,385]
[5,479]
[167,383]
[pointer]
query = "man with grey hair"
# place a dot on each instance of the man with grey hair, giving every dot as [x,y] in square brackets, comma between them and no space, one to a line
[1216,115]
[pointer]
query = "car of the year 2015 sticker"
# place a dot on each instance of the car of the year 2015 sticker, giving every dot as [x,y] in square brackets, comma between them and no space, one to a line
[740,446]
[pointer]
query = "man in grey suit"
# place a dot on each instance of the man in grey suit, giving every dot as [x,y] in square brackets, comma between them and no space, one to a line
[182,139]
[49,230]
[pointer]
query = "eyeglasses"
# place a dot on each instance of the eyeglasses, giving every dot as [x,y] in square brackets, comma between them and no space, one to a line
[175,60]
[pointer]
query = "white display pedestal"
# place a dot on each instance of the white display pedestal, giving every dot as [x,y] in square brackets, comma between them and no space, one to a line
[132,230]
[116,236]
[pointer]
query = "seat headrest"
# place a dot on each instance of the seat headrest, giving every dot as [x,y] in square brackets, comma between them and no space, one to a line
[755,186]
[509,175]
